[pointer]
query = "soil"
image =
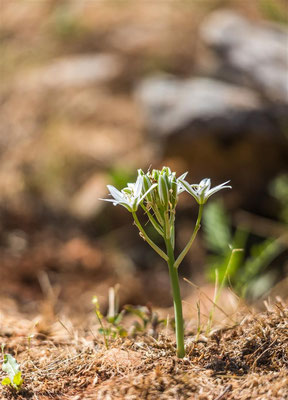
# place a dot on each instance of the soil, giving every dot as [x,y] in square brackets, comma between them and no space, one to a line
[62,360]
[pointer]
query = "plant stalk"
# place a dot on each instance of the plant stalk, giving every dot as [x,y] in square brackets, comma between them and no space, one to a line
[174,280]
[191,240]
[148,240]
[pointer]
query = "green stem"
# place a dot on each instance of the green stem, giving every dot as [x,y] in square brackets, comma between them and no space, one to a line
[167,225]
[153,221]
[148,240]
[158,214]
[191,240]
[103,330]
[173,273]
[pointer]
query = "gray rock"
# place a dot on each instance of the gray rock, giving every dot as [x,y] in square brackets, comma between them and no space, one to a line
[217,130]
[257,53]
[171,105]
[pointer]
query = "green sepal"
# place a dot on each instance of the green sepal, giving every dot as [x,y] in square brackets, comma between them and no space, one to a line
[18,380]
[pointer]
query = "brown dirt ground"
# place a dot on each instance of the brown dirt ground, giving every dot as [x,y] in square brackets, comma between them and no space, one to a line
[247,361]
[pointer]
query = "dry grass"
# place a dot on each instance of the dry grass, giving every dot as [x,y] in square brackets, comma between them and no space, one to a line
[248,361]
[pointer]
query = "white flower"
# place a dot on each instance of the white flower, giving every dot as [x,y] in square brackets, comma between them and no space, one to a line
[129,197]
[202,191]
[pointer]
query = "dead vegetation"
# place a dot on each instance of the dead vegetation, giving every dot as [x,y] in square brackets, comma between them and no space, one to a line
[249,360]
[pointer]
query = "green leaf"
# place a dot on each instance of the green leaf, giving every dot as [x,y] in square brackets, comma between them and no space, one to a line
[118,318]
[11,367]
[18,379]
[216,228]
[261,256]
[6,381]
[140,312]
[122,332]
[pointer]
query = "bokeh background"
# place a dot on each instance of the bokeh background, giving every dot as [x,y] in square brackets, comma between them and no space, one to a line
[93,90]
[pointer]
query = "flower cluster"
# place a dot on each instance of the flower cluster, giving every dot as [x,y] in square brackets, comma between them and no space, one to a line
[159,190]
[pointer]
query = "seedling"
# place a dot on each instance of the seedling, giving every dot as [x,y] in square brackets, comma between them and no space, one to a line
[110,326]
[157,194]
[11,367]
[149,320]
[100,320]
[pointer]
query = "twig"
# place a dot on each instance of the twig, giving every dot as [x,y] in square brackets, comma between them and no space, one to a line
[221,395]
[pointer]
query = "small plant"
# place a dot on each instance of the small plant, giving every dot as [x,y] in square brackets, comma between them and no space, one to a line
[110,326]
[149,320]
[11,367]
[157,194]
[100,318]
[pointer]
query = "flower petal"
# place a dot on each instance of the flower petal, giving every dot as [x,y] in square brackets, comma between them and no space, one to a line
[183,176]
[115,193]
[217,188]
[190,190]
[111,200]
[204,185]
[138,186]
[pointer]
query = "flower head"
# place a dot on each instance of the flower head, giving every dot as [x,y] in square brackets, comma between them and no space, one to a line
[202,191]
[129,197]
[168,187]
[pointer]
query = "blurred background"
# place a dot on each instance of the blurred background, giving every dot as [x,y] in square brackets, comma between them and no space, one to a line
[93,90]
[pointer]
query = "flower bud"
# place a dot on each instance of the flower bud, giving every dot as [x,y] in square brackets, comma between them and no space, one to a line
[163,191]
[146,186]
[174,192]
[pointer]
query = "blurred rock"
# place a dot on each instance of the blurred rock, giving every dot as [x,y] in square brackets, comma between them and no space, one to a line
[251,52]
[171,105]
[218,130]
[74,71]
[233,123]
